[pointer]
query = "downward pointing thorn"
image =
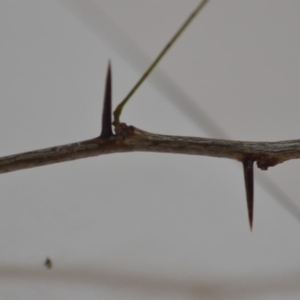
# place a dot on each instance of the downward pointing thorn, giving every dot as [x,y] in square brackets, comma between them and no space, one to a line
[106,115]
[248,175]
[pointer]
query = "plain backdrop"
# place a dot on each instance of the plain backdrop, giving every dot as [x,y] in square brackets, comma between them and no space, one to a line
[142,225]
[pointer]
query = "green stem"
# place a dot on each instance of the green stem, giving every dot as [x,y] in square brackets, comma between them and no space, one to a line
[119,108]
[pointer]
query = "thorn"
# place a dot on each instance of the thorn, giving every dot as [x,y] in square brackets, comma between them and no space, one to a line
[106,115]
[248,175]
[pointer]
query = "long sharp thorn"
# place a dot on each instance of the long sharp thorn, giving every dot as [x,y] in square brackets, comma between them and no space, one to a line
[249,184]
[106,115]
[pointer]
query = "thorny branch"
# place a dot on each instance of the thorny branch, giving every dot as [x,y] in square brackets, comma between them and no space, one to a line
[130,139]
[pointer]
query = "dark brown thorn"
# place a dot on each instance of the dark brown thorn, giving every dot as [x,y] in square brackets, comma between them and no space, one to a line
[106,115]
[249,184]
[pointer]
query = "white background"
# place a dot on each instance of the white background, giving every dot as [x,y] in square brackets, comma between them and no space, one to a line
[143,225]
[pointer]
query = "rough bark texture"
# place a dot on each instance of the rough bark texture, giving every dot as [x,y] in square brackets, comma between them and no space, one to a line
[129,139]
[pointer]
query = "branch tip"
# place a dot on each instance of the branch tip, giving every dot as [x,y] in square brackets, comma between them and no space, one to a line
[106,115]
[249,185]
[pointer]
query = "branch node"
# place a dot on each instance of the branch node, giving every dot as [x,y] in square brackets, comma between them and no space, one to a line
[265,162]
[123,130]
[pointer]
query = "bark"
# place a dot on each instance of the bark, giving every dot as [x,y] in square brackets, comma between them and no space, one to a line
[130,139]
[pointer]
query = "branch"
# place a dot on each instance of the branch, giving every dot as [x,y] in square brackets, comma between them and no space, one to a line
[130,139]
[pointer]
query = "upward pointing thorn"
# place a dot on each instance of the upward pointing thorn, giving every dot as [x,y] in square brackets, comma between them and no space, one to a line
[248,175]
[106,115]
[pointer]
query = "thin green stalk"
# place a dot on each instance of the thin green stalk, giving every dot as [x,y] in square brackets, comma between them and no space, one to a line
[119,108]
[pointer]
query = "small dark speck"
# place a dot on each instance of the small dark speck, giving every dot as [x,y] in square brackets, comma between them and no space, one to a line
[48,263]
